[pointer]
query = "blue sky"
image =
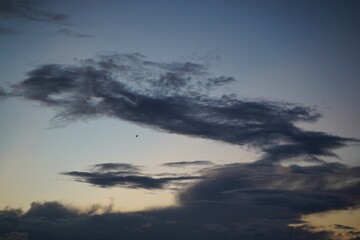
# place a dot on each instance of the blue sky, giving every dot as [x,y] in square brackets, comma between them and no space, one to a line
[268,54]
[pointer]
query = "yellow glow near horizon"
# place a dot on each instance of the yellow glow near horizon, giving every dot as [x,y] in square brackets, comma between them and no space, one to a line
[349,217]
[327,220]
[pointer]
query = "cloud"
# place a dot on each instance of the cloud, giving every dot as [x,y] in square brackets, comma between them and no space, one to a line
[219,81]
[108,167]
[245,201]
[339,226]
[54,220]
[51,211]
[4,31]
[187,163]
[29,10]
[175,97]
[239,201]
[126,176]
[14,236]
[71,33]
[3,94]
[355,233]
[281,192]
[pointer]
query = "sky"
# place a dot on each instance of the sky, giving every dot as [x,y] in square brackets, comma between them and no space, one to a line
[179,119]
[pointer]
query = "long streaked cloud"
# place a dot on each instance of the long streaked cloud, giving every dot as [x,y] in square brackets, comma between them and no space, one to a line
[124,175]
[30,10]
[188,163]
[176,97]
[110,167]
[71,33]
[343,227]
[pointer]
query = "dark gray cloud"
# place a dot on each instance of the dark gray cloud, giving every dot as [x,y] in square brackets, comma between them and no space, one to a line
[109,167]
[145,225]
[124,175]
[174,97]
[219,81]
[188,163]
[339,226]
[51,211]
[356,234]
[3,94]
[30,10]
[71,33]
[6,31]
[14,236]
[233,199]
[293,190]
[239,201]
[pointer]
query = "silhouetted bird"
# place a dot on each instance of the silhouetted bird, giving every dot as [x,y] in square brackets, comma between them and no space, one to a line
[136,135]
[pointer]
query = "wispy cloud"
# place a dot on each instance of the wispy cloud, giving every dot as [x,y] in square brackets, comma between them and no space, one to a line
[109,167]
[7,31]
[127,176]
[174,97]
[71,33]
[339,226]
[30,10]
[33,11]
[188,163]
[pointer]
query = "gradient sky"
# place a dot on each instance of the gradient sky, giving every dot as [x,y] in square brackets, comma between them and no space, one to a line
[273,52]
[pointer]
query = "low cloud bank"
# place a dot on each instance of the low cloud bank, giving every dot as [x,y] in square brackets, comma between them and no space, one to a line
[241,201]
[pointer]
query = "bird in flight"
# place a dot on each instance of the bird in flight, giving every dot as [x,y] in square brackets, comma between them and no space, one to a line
[136,135]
